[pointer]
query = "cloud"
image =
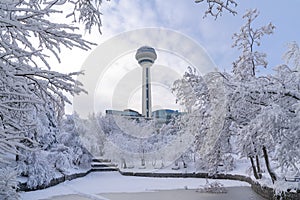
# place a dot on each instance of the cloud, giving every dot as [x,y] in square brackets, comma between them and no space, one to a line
[120,16]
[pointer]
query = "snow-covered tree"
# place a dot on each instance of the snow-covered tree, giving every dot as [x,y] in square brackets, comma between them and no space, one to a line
[247,40]
[287,93]
[272,126]
[206,120]
[260,113]
[32,96]
[28,36]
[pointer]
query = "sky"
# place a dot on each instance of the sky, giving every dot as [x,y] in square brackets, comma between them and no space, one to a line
[213,36]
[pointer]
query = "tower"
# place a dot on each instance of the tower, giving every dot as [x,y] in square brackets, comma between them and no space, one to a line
[146,56]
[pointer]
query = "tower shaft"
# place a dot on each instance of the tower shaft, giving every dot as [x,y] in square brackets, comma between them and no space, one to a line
[146,92]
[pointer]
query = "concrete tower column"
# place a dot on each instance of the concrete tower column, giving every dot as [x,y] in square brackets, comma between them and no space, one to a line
[146,57]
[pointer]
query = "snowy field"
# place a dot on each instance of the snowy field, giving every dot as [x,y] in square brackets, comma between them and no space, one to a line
[97,184]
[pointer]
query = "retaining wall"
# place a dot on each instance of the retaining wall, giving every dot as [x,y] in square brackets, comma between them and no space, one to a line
[53,182]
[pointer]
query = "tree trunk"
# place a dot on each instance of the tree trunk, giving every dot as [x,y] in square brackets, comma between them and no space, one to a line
[254,168]
[271,172]
[258,167]
[123,164]
[17,155]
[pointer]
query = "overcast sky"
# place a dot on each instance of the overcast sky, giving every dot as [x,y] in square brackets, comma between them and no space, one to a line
[185,17]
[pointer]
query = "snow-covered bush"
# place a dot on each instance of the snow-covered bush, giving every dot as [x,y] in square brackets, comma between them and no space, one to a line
[46,130]
[212,187]
[60,158]
[75,151]
[85,161]
[229,163]
[93,138]
[8,184]
[39,171]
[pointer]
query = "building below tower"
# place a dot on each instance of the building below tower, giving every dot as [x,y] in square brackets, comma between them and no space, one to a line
[162,116]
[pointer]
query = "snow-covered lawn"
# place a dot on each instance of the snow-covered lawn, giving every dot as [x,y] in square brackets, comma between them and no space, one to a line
[113,182]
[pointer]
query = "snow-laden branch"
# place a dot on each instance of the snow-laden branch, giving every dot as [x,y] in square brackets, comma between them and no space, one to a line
[87,12]
[217,7]
[293,55]
[51,83]
[26,29]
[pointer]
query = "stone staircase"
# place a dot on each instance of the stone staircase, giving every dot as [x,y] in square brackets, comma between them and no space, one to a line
[103,165]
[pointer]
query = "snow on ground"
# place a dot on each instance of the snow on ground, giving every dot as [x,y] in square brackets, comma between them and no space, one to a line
[113,182]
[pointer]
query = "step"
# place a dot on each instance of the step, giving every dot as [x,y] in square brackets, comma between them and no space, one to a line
[101,160]
[96,164]
[105,169]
